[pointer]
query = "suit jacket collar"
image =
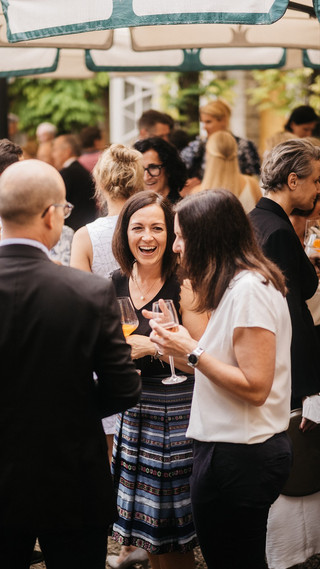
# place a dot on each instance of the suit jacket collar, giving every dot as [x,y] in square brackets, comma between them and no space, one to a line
[270,205]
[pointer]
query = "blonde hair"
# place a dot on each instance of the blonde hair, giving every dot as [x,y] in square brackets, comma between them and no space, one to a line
[118,173]
[222,166]
[218,109]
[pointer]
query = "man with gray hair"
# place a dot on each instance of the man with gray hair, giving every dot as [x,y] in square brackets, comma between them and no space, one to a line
[291,179]
[58,326]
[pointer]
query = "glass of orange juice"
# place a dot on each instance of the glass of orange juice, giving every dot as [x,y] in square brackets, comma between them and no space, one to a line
[129,319]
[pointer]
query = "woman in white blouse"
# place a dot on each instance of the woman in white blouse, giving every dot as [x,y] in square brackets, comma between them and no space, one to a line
[241,402]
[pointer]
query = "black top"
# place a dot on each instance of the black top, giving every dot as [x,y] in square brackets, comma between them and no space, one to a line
[281,244]
[80,192]
[171,290]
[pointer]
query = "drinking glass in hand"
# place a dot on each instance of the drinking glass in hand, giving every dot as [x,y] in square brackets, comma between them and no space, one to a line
[168,319]
[312,237]
[129,319]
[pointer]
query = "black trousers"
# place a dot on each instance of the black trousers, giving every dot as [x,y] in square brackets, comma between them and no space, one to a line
[232,489]
[82,549]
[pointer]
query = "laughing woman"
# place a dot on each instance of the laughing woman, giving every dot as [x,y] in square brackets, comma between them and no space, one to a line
[152,458]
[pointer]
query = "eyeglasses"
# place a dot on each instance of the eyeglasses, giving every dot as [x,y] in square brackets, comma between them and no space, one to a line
[67,208]
[154,170]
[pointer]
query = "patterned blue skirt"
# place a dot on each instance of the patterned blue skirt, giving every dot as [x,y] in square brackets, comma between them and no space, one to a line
[152,462]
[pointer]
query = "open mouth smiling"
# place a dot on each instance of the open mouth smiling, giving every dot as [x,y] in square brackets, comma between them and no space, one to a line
[147,250]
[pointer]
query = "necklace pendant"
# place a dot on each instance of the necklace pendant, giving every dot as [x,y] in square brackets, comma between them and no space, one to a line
[142,297]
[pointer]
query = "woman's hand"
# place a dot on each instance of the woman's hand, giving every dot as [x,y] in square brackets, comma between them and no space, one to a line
[140,346]
[170,343]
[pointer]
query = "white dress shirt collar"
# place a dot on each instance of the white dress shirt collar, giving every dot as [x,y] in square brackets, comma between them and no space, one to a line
[23,241]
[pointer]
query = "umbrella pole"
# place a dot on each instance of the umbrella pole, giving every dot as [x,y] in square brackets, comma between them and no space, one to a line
[3,108]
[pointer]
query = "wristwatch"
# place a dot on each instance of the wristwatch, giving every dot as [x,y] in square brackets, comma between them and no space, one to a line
[193,357]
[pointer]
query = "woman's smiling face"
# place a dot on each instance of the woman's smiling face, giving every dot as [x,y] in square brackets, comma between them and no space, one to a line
[157,183]
[147,235]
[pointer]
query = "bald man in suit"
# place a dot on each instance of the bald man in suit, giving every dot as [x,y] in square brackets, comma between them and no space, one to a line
[58,326]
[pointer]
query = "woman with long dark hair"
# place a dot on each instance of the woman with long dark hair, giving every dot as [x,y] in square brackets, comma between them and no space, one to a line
[241,402]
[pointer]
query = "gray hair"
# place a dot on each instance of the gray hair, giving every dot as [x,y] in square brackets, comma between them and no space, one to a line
[293,155]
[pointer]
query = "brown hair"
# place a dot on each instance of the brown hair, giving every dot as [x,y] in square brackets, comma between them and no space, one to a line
[9,153]
[219,241]
[120,244]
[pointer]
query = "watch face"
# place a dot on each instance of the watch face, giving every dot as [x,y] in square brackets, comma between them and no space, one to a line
[193,359]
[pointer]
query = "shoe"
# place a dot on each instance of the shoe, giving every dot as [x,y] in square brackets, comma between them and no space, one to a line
[37,557]
[136,556]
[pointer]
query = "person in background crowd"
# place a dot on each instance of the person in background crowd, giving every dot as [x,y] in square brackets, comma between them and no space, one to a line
[302,121]
[222,170]
[58,326]
[154,123]
[215,116]
[9,153]
[179,138]
[164,171]
[91,142]
[44,152]
[45,131]
[79,184]
[30,149]
[241,400]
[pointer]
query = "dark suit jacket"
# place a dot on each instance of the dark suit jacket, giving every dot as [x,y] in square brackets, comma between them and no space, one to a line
[80,192]
[58,325]
[281,244]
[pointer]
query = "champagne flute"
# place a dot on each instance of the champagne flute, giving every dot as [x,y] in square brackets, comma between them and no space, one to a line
[129,319]
[169,319]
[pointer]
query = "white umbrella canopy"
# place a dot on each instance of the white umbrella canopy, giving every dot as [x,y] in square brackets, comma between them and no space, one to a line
[184,47]
[69,63]
[169,24]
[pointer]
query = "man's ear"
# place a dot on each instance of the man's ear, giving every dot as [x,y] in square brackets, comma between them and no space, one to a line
[49,217]
[292,181]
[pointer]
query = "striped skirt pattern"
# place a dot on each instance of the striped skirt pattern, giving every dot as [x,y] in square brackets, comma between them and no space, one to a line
[152,462]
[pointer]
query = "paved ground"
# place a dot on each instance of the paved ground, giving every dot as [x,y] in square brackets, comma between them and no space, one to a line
[113,549]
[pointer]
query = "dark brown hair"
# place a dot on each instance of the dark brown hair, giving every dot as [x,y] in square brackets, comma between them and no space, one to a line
[9,153]
[120,245]
[219,241]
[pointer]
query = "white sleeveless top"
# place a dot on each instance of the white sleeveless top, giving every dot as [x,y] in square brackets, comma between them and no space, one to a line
[101,232]
[103,263]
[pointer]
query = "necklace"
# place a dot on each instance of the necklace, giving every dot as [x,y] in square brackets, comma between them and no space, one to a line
[143,295]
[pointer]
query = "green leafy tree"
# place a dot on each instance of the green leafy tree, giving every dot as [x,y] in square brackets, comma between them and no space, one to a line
[69,104]
[282,91]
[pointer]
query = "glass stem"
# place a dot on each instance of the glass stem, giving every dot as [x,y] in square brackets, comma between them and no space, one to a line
[171,361]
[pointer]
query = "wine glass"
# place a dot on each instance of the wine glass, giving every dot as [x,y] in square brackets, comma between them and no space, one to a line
[169,319]
[129,319]
[312,237]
